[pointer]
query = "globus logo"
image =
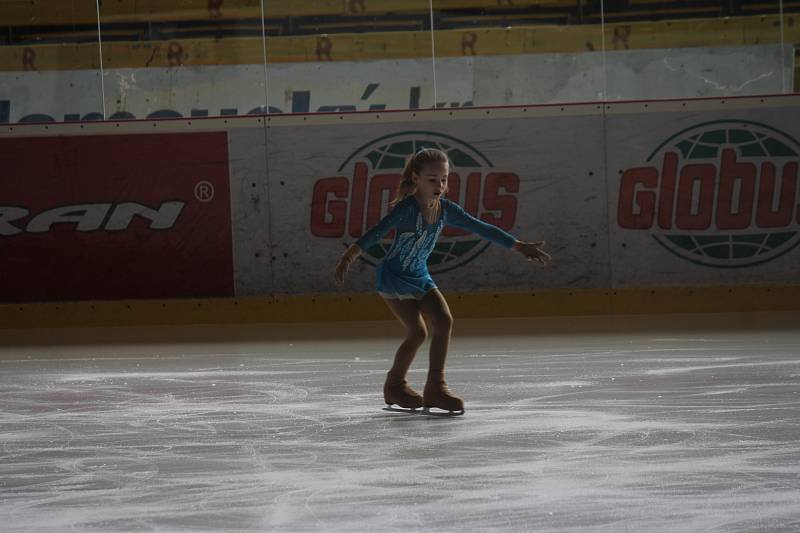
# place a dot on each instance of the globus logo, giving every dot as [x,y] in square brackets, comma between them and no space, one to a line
[347,205]
[725,195]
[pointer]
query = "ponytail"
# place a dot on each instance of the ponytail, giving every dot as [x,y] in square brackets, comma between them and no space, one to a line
[414,165]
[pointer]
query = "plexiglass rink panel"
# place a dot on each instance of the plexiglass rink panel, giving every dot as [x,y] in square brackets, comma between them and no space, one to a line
[49,62]
[528,52]
[344,56]
[696,49]
[180,58]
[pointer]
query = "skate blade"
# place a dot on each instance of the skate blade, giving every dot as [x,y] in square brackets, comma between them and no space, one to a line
[405,410]
[427,411]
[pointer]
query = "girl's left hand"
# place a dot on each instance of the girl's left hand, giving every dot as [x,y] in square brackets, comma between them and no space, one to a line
[533,251]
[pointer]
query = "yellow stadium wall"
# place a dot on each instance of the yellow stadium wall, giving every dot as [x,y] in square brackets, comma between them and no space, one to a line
[739,31]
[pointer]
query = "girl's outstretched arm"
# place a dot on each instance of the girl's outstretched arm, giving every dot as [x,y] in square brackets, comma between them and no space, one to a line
[456,216]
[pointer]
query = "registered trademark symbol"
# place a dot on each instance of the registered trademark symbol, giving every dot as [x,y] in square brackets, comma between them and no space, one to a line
[204,191]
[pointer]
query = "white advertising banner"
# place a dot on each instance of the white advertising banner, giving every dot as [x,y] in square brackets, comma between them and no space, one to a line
[331,183]
[626,196]
[705,198]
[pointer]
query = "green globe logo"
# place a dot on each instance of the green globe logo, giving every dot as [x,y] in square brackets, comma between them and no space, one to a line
[725,196]
[376,168]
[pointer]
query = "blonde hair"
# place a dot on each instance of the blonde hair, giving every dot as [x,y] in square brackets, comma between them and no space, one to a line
[414,165]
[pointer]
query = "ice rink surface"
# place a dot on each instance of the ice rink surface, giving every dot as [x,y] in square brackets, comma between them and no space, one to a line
[645,424]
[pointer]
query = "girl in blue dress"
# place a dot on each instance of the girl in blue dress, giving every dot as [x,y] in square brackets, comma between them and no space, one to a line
[419,212]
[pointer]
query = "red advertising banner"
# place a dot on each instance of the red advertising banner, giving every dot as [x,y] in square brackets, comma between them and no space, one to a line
[115,217]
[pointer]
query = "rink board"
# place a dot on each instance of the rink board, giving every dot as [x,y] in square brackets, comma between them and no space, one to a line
[302,187]
[515,180]
[733,215]
[115,216]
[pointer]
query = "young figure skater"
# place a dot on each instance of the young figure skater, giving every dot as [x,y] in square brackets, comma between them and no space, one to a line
[419,211]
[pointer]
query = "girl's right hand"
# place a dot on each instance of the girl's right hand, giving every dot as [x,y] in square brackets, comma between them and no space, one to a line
[344,264]
[533,251]
[341,269]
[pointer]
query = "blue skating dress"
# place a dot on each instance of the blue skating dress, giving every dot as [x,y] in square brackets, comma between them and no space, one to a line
[403,272]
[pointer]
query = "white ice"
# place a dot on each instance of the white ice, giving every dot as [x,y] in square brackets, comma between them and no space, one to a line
[662,423]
